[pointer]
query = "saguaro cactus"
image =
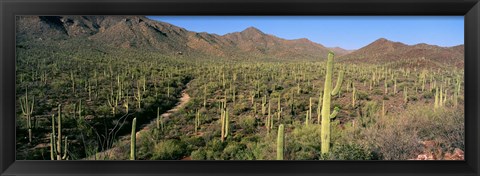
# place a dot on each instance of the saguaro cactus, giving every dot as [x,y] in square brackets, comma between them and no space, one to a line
[59,138]
[386,87]
[112,101]
[197,121]
[319,107]
[436,105]
[27,110]
[354,95]
[138,96]
[280,142]
[55,143]
[159,120]
[327,93]
[225,123]
[279,108]
[395,86]
[310,109]
[133,139]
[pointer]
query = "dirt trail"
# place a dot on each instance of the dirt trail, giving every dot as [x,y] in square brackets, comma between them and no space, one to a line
[113,153]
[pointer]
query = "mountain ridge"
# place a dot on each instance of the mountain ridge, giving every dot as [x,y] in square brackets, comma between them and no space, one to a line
[384,51]
[142,32]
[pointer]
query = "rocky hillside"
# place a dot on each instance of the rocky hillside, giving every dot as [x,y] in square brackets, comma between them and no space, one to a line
[141,32]
[383,51]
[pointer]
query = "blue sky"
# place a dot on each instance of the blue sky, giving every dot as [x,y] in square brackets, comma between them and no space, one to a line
[348,32]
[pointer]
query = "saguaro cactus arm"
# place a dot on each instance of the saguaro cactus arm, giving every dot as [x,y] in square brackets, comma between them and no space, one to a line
[339,84]
[65,149]
[334,113]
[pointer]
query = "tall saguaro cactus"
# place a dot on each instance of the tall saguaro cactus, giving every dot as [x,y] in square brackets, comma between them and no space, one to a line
[326,116]
[133,139]
[55,143]
[59,138]
[280,142]
[225,123]
[27,110]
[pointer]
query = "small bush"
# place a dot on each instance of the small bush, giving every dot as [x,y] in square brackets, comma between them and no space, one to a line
[348,152]
[169,150]
[236,151]
[248,124]
[363,95]
[240,108]
[428,95]
[303,143]
[199,154]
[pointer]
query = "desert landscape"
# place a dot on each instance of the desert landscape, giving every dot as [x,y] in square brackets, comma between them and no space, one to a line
[134,88]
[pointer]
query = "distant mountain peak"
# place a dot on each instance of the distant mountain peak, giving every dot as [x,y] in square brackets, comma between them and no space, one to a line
[383,40]
[252,30]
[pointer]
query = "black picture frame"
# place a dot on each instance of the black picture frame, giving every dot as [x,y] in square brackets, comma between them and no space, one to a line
[470,9]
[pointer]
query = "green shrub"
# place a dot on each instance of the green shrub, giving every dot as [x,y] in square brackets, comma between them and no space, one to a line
[236,151]
[258,150]
[240,108]
[428,94]
[214,149]
[193,142]
[169,150]
[362,95]
[199,154]
[303,143]
[349,152]
[248,124]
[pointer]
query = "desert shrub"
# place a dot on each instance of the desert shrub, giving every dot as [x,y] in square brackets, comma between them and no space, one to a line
[248,124]
[445,126]
[428,94]
[259,150]
[193,142]
[348,152]
[378,92]
[398,136]
[286,118]
[412,98]
[199,154]
[303,143]
[385,97]
[169,150]
[104,109]
[240,108]
[368,113]
[149,100]
[214,149]
[236,151]
[147,143]
[392,143]
[362,95]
